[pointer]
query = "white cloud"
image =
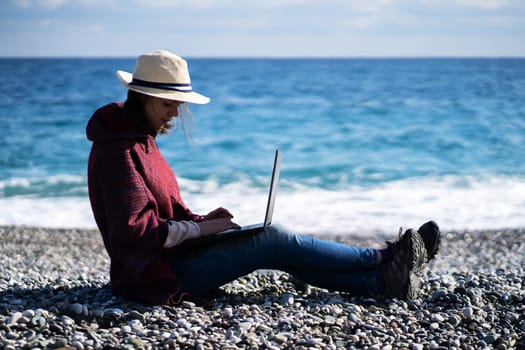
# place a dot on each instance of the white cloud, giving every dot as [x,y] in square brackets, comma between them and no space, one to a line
[492,21]
[368,6]
[40,3]
[95,27]
[354,5]
[487,4]
[193,4]
[22,3]
[363,22]
[382,19]
[483,4]
[53,4]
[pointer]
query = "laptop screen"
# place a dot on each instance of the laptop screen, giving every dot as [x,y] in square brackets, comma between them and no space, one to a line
[273,188]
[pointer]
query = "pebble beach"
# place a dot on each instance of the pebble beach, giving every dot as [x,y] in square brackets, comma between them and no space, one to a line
[55,294]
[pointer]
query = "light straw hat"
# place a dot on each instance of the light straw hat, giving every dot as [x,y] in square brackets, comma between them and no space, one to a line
[162,74]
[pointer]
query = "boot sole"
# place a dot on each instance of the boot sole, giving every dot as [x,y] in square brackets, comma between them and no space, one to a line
[432,238]
[416,260]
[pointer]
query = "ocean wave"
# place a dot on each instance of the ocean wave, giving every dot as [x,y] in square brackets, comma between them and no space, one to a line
[44,186]
[455,202]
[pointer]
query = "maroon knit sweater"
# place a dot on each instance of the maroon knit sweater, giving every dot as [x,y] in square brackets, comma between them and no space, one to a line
[133,192]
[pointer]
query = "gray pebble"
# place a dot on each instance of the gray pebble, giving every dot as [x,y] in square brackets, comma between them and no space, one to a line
[13,319]
[76,308]
[468,312]
[466,302]
[280,338]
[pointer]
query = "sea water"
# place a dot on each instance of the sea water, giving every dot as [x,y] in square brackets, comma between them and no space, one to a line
[368,145]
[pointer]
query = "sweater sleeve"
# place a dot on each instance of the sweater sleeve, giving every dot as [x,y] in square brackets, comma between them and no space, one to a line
[179,231]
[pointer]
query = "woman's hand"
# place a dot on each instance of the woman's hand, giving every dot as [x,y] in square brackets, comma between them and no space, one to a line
[217,214]
[217,220]
[212,226]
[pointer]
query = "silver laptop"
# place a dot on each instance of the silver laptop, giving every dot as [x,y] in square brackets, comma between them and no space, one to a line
[249,229]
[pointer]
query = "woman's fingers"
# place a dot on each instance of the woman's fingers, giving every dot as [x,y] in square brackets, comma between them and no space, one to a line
[213,226]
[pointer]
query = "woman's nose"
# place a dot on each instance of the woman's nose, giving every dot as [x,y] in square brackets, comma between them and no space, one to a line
[174,111]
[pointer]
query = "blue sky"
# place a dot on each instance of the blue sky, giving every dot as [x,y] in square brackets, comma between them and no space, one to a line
[275,28]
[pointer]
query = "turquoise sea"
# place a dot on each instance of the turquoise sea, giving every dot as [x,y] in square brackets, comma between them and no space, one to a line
[368,144]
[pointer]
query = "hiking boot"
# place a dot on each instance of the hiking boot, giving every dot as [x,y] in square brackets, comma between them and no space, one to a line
[430,234]
[401,274]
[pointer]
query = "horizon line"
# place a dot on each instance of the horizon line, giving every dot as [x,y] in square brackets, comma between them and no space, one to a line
[270,57]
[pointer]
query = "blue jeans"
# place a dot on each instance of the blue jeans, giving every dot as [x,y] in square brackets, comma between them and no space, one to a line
[320,263]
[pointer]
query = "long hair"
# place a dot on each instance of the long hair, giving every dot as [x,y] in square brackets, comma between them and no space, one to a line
[134,107]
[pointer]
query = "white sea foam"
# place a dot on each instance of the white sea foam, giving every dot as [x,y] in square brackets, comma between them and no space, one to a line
[58,212]
[34,183]
[456,203]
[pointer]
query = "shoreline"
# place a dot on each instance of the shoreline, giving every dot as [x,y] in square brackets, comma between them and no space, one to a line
[54,293]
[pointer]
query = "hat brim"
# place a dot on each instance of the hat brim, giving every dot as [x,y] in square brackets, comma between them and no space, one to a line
[191,97]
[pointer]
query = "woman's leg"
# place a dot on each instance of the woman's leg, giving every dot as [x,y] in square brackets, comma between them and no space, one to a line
[318,262]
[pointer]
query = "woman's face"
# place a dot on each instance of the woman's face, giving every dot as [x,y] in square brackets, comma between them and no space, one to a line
[160,112]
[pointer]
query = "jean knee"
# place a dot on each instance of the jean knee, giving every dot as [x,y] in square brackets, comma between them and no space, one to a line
[279,234]
[277,230]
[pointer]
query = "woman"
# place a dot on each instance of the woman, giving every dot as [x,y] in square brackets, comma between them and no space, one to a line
[144,222]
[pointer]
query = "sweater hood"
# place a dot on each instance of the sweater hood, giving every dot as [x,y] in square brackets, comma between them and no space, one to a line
[109,123]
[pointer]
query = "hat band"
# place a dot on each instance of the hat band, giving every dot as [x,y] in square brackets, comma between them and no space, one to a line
[162,86]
